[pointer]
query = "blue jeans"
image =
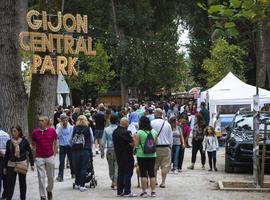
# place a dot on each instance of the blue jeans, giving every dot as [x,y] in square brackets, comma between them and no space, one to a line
[175,156]
[81,161]
[65,150]
[124,178]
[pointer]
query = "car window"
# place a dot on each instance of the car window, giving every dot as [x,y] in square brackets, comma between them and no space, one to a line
[246,121]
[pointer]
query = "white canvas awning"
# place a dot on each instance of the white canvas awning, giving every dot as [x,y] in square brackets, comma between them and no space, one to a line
[232,91]
[62,86]
[63,92]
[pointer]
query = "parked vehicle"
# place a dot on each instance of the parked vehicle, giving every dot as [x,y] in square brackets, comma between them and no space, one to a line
[239,142]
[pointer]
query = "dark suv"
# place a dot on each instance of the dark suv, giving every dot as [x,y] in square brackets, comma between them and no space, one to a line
[239,142]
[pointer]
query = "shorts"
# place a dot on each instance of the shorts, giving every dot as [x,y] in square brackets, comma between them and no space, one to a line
[163,159]
[98,134]
[147,167]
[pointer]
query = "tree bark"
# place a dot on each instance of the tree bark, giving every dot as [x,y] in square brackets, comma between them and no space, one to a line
[43,87]
[263,55]
[124,89]
[13,101]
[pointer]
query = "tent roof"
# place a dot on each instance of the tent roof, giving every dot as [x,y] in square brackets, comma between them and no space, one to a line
[231,87]
[62,86]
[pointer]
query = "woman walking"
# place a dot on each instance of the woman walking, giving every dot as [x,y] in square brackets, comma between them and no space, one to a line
[17,149]
[197,141]
[186,130]
[145,139]
[82,139]
[107,143]
[178,140]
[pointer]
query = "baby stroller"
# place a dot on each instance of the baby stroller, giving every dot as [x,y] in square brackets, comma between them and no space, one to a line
[90,177]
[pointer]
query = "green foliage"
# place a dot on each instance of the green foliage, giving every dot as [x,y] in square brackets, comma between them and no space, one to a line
[194,16]
[184,79]
[224,58]
[145,48]
[94,74]
[229,12]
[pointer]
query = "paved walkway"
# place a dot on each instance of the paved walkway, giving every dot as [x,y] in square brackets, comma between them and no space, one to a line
[190,185]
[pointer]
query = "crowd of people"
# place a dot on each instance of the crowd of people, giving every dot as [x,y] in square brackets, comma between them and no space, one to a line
[156,134]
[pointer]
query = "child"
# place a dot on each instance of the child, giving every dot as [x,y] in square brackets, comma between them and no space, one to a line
[210,144]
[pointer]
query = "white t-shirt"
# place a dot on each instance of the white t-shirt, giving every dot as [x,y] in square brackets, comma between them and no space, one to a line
[166,135]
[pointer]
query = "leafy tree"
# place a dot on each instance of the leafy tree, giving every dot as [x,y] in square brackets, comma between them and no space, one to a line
[94,76]
[196,20]
[224,58]
[145,43]
[228,14]
[184,78]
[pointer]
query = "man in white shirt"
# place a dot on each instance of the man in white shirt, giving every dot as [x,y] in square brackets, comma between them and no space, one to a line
[4,137]
[164,144]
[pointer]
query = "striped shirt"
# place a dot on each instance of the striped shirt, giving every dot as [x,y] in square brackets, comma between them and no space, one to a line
[44,140]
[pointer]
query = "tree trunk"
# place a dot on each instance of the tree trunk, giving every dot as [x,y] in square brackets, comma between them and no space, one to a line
[43,87]
[13,101]
[263,55]
[124,89]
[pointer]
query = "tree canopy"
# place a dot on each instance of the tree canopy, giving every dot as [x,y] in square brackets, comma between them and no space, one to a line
[224,58]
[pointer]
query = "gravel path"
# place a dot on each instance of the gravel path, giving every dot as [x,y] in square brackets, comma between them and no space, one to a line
[195,184]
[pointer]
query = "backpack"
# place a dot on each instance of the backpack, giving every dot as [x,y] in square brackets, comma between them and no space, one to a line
[149,145]
[78,139]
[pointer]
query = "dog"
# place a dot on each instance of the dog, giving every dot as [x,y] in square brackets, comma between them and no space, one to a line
[138,172]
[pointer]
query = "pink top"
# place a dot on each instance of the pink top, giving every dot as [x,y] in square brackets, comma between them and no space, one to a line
[44,142]
[186,130]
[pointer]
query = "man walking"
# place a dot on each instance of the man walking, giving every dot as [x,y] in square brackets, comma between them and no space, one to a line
[64,131]
[123,146]
[45,142]
[100,121]
[4,137]
[164,144]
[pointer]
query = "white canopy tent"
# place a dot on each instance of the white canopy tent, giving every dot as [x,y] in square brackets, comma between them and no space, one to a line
[62,91]
[232,91]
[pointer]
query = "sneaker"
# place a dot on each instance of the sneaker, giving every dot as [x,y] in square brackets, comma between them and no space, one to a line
[216,169]
[130,195]
[175,172]
[143,195]
[153,194]
[76,187]
[210,170]
[50,196]
[203,167]
[180,170]
[41,198]
[83,189]
[59,179]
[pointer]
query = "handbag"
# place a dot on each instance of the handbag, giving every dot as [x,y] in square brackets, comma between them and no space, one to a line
[21,168]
